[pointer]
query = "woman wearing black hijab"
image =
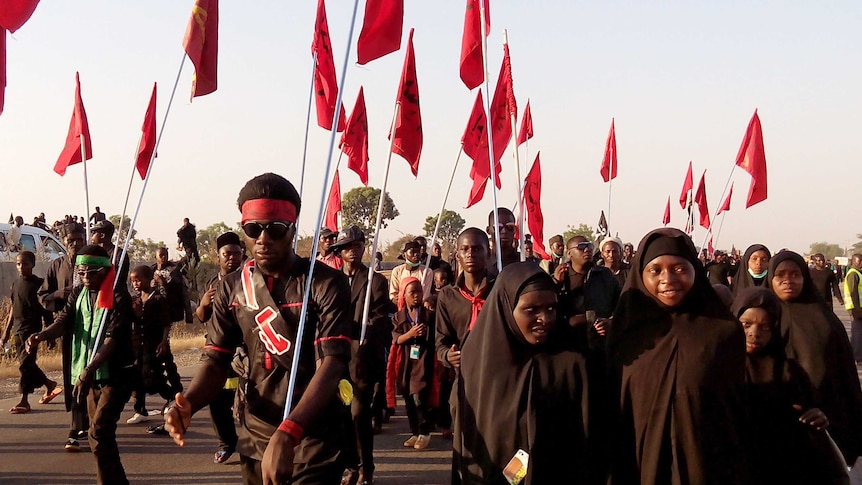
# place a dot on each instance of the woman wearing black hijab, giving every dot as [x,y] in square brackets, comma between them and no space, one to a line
[817,340]
[752,268]
[677,360]
[788,442]
[521,387]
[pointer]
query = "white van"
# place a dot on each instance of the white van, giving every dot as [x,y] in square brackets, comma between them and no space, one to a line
[44,244]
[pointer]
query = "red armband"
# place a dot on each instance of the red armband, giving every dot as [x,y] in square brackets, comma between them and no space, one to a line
[293,429]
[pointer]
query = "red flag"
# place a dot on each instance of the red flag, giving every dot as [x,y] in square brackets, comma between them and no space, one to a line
[506,74]
[686,188]
[475,145]
[201,45]
[752,159]
[333,204]
[526,131]
[700,200]
[609,162]
[15,13]
[666,219]
[148,137]
[381,29]
[78,126]
[407,140]
[354,140]
[472,69]
[725,206]
[533,207]
[325,84]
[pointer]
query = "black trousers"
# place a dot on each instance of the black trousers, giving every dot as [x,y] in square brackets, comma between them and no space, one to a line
[363,430]
[856,338]
[223,423]
[418,413]
[303,473]
[104,406]
[32,377]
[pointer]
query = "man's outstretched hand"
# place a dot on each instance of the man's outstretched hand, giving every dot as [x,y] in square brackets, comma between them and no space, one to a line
[178,418]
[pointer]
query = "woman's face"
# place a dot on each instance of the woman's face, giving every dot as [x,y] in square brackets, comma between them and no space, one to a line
[668,279]
[758,329]
[787,281]
[759,261]
[536,314]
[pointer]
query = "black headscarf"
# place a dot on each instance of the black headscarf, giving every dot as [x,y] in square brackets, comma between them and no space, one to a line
[514,395]
[767,365]
[816,339]
[679,373]
[743,278]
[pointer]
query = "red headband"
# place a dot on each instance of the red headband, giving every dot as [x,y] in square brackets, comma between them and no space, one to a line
[268,210]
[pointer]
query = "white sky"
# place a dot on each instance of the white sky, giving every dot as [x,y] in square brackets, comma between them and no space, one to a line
[681,80]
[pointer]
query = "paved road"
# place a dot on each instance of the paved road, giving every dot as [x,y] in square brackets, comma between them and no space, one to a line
[31,452]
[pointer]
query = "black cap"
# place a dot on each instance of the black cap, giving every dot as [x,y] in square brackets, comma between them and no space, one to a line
[348,235]
[327,232]
[227,238]
[103,226]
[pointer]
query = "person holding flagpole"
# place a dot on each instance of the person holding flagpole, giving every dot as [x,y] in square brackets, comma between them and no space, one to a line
[259,308]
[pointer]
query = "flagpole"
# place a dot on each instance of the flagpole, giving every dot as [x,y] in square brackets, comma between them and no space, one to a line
[140,200]
[291,386]
[366,308]
[491,161]
[720,225]
[443,209]
[129,191]
[519,182]
[726,185]
[608,220]
[86,187]
[305,142]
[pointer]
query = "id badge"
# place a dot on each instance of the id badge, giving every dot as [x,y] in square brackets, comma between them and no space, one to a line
[516,469]
[414,352]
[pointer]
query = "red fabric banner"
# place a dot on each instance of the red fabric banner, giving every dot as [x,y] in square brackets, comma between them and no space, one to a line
[700,200]
[201,45]
[407,139]
[752,159]
[381,29]
[533,207]
[472,70]
[15,13]
[325,83]
[526,131]
[333,204]
[609,162]
[725,206]
[687,185]
[354,140]
[78,126]
[666,219]
[148,137]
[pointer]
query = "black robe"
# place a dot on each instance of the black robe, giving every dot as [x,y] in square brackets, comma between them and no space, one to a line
[782,449]
[678,375]
[817,340]
[513,395]
[743,279]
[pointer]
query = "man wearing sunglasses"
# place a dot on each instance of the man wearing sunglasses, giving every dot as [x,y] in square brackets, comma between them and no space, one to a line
[585,287]
[258,308]
[100,366]
[508,229]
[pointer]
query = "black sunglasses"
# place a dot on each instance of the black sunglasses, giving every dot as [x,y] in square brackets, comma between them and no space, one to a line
[583,246]
[276,229]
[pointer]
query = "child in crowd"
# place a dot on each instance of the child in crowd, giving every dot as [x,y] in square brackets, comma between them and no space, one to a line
[411,361]
[25,319]
[151,331]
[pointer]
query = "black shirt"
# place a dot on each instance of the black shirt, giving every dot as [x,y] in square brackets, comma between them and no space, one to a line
[27,312]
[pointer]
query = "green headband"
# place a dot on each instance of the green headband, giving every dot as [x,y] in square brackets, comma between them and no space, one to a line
[93,261]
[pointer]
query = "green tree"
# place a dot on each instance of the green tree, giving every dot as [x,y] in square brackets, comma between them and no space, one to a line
[140,250]
[359,207]
[120,233]
[451,225]
[207,240]
[830,251]
[393,249]
[581,230]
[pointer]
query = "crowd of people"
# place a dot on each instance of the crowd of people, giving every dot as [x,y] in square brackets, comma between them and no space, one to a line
[604,364]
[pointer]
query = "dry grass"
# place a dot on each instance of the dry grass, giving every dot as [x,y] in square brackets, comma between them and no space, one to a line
[183,337]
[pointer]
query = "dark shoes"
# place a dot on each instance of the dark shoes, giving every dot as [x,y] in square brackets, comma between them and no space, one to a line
[72,445]
[160,430]
[357,477]
[222,456]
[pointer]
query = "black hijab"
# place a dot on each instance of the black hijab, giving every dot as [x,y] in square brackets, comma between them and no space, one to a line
[513,395]
[766,365]
[743,278]
[816,339]
[679,373]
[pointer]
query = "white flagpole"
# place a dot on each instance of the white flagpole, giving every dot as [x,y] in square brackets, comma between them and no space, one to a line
[305,142]
[488,128]
[366,308]
[723,193]
[86,221]
[128,192]
[442,210]
[720,225]
[291,385]
[140,199]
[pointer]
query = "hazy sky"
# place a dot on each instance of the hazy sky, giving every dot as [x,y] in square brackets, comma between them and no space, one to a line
[682,80]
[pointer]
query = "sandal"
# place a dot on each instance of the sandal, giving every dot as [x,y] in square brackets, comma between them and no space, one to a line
[19,410]
[51,395]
